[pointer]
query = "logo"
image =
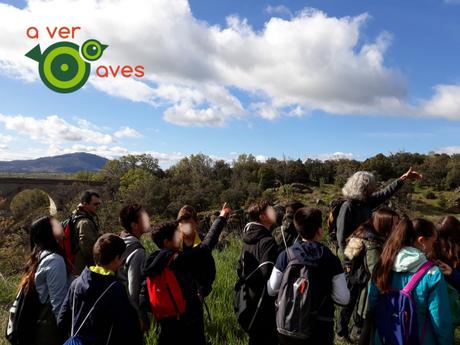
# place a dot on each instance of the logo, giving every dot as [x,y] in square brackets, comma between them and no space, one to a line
[63,66]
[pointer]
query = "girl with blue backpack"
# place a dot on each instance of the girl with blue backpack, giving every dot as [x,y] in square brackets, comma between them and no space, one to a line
[408,299]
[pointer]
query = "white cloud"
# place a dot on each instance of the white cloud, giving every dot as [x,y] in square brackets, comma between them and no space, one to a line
[127,132]
[5,138]
[334,156]
[195,70]
[445,102]
[450,150]
[279,9]
[52,129]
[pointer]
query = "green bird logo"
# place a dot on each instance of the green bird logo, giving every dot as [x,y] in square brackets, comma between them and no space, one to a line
[63,66]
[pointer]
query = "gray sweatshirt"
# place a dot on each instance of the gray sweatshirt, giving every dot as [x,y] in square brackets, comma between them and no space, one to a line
[130,273]
[52,281]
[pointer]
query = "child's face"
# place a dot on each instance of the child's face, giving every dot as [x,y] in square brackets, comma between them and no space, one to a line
[175,242]
[269,216]
[144,222]
[427,243]
[188,228]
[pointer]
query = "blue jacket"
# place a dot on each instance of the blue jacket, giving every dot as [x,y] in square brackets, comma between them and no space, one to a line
[430,296]
[51,280]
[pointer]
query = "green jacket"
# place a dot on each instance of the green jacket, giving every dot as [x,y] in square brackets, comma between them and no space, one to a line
[88,233]
[372,245]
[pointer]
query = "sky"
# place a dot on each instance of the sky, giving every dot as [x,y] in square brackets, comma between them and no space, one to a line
[320,79]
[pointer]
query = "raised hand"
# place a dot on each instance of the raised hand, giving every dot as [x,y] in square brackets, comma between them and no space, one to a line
[411,174]
[226,210]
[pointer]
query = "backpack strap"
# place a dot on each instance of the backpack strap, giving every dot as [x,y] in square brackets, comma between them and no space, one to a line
[130,251]
[90,311]
[258,268]
[416,277]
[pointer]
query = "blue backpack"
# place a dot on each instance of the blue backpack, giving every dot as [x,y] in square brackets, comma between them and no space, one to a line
[396,319]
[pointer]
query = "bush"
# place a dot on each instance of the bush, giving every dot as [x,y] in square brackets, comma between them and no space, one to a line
[30,203]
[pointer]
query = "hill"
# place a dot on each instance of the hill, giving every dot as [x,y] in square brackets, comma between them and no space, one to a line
[67,163]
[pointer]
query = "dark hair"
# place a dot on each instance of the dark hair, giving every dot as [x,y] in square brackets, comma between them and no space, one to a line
[107,248]
[41,239]
[187,212]
[163,231]
[130,214]
[448,244]
[292,207]
[382,222]
[405,234]
[256,209]
[87,195]
[307,221]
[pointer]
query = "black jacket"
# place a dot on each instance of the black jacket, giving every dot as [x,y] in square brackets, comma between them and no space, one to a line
[112,311]
[259,246]
[195,271]
[354,212]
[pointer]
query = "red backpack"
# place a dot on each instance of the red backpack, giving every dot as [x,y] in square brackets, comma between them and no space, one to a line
[70,241]
[165,295]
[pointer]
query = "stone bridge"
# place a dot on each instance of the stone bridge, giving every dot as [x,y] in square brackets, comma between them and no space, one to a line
[59,191]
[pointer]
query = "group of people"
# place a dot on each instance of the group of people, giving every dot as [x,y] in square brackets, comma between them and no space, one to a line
[104,289]
[396,282]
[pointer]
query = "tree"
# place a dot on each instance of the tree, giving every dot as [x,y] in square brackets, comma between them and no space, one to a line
[434,169]
[380,165]
[453,172]
[141,186]
[29,204]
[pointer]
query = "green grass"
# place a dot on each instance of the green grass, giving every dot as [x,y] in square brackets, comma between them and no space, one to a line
[8,289]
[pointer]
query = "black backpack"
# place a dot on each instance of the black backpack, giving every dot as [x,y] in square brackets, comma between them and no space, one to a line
[245,305]
[298,303]
[23,316]
[333,214]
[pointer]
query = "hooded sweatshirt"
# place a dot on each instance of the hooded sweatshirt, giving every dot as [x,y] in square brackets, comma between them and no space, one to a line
[259,247]
[113,318]
[331,279]
[195,272]
[430,297]
[130,273]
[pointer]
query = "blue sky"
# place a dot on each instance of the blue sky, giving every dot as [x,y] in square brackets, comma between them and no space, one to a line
[389,80]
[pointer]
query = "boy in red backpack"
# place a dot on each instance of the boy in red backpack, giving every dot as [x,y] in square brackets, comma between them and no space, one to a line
[171,290]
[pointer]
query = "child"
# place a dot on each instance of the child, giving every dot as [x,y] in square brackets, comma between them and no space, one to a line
[449,250]
[47,275]
[403,255]
[97,308]
[363,251]
[136,222]
[325,268]
[258,256]
[187,326]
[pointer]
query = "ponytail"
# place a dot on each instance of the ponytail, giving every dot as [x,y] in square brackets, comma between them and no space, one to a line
[405,234]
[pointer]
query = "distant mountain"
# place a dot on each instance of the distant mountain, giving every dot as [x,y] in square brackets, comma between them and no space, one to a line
[68,163]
